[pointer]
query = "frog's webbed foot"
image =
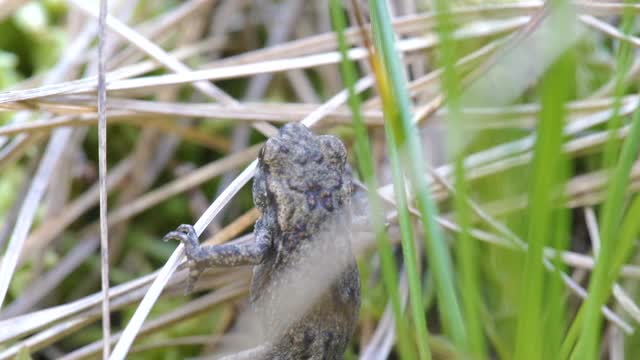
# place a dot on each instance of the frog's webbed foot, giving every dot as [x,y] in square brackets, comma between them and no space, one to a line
[187,235]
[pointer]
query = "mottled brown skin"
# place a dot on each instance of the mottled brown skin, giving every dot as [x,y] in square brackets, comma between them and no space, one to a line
[303,190]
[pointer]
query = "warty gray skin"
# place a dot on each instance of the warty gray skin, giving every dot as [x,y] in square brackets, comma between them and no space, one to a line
[302,239]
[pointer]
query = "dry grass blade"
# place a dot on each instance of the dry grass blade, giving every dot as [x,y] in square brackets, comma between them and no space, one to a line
[125,110]
[406,25]
[231,286]
[20,144]
[102,166]
[29,207]
[172,63]
[194,308]
[609,30]
[47,283]
[46,233]
[121,214]
[37,128]
[90,82]
[605,8]
[46,337]
[184,76]
[177,186]
[39,184]
[164,23]
[25,324]
[154,51]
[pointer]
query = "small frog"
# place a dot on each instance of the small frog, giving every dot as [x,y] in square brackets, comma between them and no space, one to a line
[305,289]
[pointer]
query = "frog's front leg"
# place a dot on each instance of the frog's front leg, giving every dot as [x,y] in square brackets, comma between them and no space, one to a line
[202,257]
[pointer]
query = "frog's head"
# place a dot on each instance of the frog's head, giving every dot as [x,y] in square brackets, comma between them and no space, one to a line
[302,177]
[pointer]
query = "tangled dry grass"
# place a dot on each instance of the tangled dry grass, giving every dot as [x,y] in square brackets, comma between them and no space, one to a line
[193,88]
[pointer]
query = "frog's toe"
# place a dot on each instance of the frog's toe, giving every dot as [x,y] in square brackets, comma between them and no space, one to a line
[187,229]
[185,233]
[174,235]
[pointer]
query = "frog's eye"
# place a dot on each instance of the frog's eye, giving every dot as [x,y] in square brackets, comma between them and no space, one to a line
[259,200]
[260,196]
[334,149]
[269,151]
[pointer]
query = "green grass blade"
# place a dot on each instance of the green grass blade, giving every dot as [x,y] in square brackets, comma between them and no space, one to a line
[601,282]
[410,152]
[569,341]
[536,313]
[628,233]
[408,248]
[555,294]
[624,58]
[530,330]
[602,279]
[366,166]
[560,84]
[467,249]
[469,279]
